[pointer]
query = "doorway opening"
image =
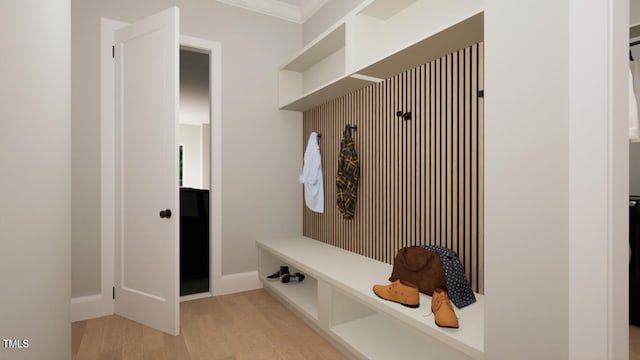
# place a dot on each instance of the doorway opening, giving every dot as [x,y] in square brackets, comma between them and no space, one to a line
[195,144]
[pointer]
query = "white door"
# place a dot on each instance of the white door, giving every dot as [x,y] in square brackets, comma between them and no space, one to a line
[147,238]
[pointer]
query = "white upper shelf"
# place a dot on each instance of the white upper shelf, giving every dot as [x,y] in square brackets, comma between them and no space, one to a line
[377,40]
[321,48]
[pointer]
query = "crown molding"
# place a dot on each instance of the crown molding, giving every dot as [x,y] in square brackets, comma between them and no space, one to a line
[310,7]
[280,9]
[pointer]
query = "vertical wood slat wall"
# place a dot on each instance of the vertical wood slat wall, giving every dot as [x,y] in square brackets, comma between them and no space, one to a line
[421,180]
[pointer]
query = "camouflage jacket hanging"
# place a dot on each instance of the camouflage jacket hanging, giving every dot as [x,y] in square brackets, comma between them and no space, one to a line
[348,175]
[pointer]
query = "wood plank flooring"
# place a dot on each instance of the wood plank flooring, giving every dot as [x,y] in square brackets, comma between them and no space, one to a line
[248,325]
[634,342]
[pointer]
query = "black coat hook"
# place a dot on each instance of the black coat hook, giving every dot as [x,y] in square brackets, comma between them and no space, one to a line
[404,115]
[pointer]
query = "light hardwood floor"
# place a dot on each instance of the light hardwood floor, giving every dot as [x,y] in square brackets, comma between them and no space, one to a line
[248,325]
[634,342]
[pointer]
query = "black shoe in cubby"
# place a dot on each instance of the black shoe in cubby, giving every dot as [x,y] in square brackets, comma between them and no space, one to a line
[284,270]
[297,277]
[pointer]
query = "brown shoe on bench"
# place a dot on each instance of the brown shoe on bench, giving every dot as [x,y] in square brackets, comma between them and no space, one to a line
[399,291]
[443,310]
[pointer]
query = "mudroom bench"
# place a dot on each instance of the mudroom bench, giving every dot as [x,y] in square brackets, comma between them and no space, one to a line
[336,299]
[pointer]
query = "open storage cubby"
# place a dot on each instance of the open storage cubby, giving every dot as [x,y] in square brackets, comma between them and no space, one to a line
[301,295]
[339,303]
[378,39]
[378,336]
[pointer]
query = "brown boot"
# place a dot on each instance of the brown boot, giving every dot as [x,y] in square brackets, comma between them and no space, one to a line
[443,310]
[399,291]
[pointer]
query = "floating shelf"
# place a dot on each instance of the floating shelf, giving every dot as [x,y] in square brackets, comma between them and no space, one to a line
[315,67]
[328,92]
[459,36]
[377,40]
[329,44]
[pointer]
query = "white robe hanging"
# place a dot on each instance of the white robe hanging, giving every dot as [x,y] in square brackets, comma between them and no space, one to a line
[312,176]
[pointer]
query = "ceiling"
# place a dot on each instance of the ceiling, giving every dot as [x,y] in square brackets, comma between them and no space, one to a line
[297,11]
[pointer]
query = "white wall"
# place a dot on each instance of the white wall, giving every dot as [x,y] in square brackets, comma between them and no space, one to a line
[35,210]
[193,132]
[555,180]
[526,180]
[261,154]
[194,88]
[634,12]
[190,137]
[261,157]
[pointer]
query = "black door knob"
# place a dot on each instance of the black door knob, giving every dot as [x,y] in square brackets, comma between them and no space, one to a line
[165,214]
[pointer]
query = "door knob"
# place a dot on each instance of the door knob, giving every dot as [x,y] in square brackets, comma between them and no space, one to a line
[165,214]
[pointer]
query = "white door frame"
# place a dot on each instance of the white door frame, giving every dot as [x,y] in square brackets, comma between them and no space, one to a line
[107,149]
[214,50]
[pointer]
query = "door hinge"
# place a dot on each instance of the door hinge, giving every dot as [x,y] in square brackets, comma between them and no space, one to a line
[113,51]
[113,293]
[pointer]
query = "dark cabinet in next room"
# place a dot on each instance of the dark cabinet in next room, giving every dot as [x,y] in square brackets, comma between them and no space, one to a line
[194,241]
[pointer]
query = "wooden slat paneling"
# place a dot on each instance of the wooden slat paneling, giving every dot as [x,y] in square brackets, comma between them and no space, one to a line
[421,180]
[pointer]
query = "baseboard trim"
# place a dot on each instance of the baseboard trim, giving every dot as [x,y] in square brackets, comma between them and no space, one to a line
[87,307]
[240,282]
[93,306]
[195,296]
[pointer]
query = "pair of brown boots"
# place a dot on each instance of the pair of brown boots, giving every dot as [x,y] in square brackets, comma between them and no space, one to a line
[407,294]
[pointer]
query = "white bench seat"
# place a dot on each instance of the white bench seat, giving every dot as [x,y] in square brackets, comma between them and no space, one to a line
[336,298]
